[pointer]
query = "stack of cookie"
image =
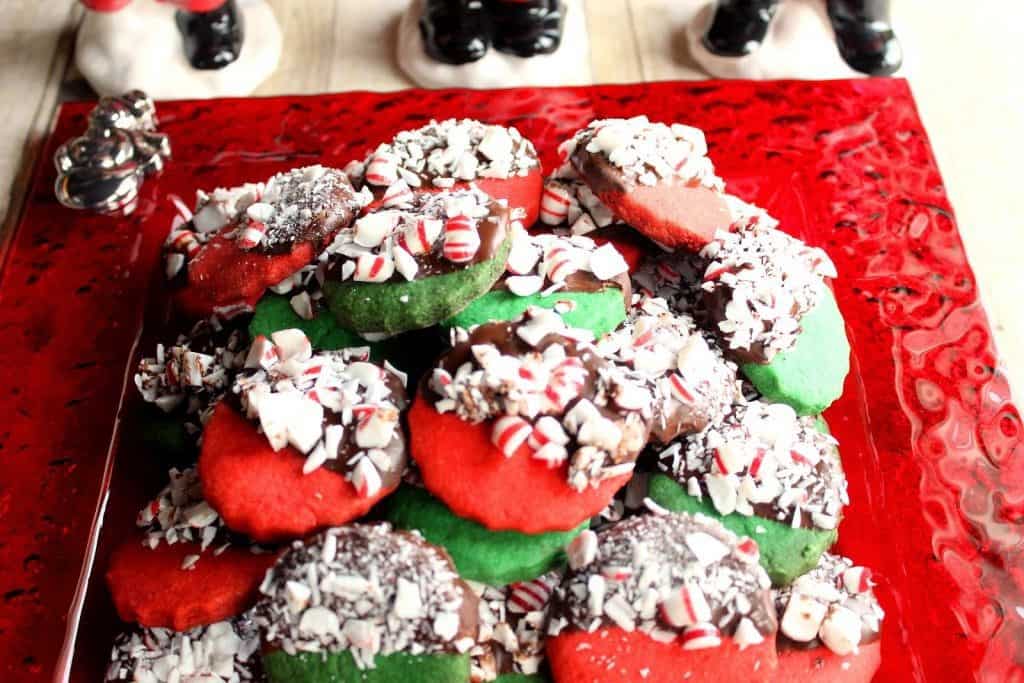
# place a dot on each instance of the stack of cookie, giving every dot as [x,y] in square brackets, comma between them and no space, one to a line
[436,418]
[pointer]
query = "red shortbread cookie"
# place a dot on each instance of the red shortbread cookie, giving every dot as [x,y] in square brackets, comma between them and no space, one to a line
[674,214]
[821,664]
[612,654]
[150,587]
[654,177]
[460,466]
[223,276]
[263,493]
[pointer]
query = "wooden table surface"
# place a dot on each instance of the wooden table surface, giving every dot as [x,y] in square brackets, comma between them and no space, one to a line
[965,68]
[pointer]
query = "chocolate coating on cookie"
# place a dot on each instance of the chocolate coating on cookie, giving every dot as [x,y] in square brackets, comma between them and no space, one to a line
[545,384]
[223,652]
[445,152]
[693,385]
[368,590]
[663,574]
[831,605]
[617,155]
[338,409]
[758,284]
[433,234]
[554,263]
[763,460]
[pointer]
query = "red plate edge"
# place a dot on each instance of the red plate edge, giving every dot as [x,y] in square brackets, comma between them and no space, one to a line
[943,431]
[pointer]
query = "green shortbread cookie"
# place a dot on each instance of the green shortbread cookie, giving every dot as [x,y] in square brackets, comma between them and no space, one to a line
[810,376]
[786,553]
[521,678]
[493,557]
[600,312]
[315,667]
[389,308]
[274,312]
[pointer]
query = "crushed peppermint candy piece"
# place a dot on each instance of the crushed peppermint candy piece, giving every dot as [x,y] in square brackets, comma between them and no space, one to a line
[443,152]
[543,384]
[511,634]
[659,585]
[573,263]
[675,278]
[193,374]
[180,514]
[223,652]
[568,202]
[821,608]
[432,234]
[336,408]
[692,383]
[648,153]
[764,460]
[377,592]
[758,284]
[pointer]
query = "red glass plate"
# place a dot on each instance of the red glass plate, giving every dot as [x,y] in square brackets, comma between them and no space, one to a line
[930,439]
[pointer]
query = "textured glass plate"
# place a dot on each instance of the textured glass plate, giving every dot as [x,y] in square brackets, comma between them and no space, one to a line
[930,440]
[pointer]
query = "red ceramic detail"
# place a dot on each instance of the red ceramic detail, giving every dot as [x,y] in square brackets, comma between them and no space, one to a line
[930,439]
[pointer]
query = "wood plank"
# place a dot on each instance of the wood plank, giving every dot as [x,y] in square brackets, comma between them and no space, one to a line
[35,45]
[613,42]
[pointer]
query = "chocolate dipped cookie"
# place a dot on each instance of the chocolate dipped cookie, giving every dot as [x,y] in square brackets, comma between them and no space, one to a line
[366,604]
[401,269]
[242,241]
[662,598]
[307,440]
[454,154]
[763,472]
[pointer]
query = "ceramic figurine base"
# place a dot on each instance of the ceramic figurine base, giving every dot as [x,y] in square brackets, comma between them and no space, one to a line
[140,47]
[569,65]
[800,44]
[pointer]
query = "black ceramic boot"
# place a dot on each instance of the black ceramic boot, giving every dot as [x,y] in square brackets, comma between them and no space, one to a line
[739,26]
[212,39]
[455,31]
[526,28]
[865,37]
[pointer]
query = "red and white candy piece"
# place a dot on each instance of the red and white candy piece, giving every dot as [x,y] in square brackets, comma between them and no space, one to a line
[397,194]
[262,354]
[420,238]
[582,550]
[292,344]
[529,596]
[366,479]
[748,550]
[747,634]
[701,636]
[184,242]
[685,606]
[554,204]
[841,630]
[680,390]
[802,618]
[382,170]
[461,240]
[251,234]
[509,433]
[371,229]
[857,579]
[524,285]
[547,430]
[730,457]
[373,268]
[376,428]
